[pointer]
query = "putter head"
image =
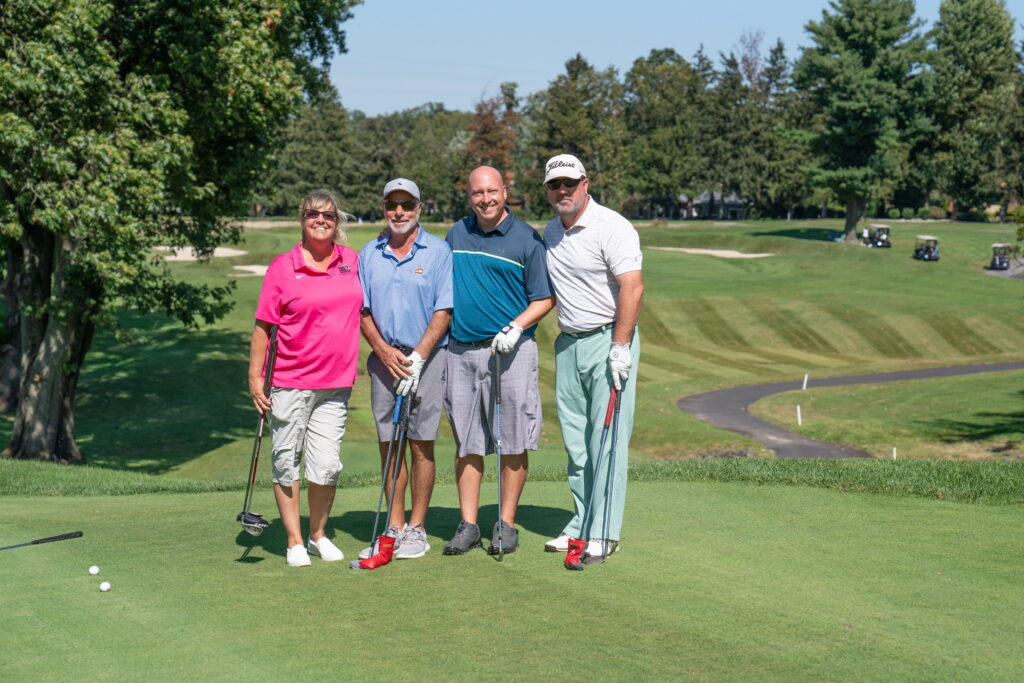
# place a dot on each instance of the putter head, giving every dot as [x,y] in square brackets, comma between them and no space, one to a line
[252,522]
[574,556]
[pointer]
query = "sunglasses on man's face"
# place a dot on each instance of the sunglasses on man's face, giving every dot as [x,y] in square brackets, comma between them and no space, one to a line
[567,183]
[406,206]
[329,216]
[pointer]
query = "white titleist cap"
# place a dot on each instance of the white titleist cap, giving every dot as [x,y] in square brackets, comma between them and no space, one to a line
[402,184]
[564,166]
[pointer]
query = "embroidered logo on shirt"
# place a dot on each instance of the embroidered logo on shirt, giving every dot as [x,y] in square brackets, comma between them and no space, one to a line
[298,276]
[344,269]
[419,270]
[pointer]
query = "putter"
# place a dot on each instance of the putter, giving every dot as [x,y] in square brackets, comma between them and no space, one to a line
[386,544]
[574,556]
[253,522]
[497,447]
[598,559]
[50,539]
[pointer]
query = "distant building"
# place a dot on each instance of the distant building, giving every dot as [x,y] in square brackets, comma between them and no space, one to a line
[707,204]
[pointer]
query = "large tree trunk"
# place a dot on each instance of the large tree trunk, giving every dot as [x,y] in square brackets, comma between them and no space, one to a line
[54,344]
[854,208]
[10,340]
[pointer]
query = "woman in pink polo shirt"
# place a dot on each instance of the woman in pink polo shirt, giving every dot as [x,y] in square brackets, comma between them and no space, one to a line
[312,294]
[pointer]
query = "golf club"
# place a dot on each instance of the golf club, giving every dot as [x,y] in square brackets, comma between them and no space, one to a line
[385,545]
[574,556]
[62,537]
[253,522]
[497,447]
[605,550]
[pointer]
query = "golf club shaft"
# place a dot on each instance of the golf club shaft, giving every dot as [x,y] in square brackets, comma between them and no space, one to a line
[497,441]
[585,523]
[49,539]
[610,478]
[403,428]
[268,376]
[395,418]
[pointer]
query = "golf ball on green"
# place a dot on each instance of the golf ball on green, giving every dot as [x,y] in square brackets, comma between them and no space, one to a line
[94,570]
[105,586]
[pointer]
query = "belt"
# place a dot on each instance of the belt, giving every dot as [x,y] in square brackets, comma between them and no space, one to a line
[589,333]
[406,350]
[485,342]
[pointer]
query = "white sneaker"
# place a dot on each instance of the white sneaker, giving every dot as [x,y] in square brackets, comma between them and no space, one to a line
[394,533]
[297,557]
[600,547]
[557,545]
[413,543]
[325,550]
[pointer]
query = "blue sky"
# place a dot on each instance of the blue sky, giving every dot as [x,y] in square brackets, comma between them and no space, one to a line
[404,53]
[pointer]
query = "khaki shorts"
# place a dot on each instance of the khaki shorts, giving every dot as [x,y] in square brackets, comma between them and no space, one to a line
[308,422]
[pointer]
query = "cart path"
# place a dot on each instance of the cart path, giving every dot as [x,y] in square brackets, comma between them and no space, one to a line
[727,408]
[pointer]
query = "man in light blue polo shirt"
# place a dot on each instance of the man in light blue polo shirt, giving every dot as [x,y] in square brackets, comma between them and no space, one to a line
[406,275]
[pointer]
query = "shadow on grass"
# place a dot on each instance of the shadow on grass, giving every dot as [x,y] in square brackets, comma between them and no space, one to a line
[441,522]
[987,426]
[815,234]
[163,400]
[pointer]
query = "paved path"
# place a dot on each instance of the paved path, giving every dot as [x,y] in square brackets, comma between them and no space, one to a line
[727,408]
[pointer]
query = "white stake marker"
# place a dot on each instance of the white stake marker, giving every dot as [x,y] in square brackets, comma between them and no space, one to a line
[893,452]
[799,421]
[805,383]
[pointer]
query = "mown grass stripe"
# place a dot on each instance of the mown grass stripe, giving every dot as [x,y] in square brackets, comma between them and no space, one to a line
[653,330]
[710,322]
[657,359]
[957,334]
[789,327]
[723,361]
[878,334]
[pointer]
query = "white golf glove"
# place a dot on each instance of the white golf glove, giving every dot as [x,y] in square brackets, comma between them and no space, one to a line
[620,360]
[506,340]
[408,385]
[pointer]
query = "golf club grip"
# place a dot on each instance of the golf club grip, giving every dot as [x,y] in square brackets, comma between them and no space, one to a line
[73,534]
[271,359]
[613,402]
[398,409]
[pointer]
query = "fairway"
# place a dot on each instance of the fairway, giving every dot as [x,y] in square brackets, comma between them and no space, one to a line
[716,581]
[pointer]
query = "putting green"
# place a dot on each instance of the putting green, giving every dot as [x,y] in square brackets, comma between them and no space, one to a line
[723,581]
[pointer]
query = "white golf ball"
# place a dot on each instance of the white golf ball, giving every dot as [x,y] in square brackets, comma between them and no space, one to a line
[94,570]
[105,586]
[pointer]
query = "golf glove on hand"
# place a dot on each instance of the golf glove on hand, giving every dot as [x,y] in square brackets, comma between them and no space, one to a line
[408,385]
[506,340]
[620,360]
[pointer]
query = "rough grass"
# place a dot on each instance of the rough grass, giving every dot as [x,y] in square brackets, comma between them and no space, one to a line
[955,481]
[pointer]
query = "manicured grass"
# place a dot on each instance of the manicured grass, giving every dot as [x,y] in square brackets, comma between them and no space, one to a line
[974,416]
[716,581]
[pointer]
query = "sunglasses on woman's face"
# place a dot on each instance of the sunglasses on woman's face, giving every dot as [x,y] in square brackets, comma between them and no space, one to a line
[567,183]
[329,216]
[406,206]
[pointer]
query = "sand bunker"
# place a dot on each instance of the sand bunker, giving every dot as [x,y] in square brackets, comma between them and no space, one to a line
[720,253]
[250,271]
[187,254]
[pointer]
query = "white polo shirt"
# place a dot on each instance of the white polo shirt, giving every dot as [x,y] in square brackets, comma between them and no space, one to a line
[583,262]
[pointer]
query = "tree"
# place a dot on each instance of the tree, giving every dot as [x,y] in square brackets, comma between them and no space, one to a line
[976,67]
[862,75]
[663,96]
[124,125]
[580,113]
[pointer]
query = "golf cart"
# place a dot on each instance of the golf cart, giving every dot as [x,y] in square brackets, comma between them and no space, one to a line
[926,248]
[880,237]
[1000,256]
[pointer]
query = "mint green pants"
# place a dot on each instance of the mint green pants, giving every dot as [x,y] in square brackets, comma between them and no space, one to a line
[583,385]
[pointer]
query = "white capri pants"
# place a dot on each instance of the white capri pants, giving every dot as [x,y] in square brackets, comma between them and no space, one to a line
[308,422]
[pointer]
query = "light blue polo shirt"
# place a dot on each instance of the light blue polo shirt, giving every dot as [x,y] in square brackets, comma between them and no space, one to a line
[497,275]
[403,295]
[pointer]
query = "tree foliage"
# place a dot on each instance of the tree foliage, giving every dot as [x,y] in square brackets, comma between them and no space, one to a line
[125,125]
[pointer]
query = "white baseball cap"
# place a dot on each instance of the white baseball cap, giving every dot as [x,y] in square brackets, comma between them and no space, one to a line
[402,184]
[564,166]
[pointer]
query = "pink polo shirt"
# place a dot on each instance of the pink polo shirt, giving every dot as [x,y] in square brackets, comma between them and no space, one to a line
[317,314]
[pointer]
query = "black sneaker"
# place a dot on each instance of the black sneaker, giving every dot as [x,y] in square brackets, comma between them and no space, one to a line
[466,537]
[509,539]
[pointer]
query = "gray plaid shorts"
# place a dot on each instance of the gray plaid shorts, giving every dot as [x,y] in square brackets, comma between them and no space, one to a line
[469,400]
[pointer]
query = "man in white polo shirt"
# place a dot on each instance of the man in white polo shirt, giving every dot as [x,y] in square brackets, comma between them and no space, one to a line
[594,263]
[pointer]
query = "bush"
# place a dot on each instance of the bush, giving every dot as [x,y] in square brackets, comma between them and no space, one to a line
[894,213]
[924,213]
[908,212]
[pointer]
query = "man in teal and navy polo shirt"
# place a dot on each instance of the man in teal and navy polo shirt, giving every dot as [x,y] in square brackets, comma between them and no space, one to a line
[501,291]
